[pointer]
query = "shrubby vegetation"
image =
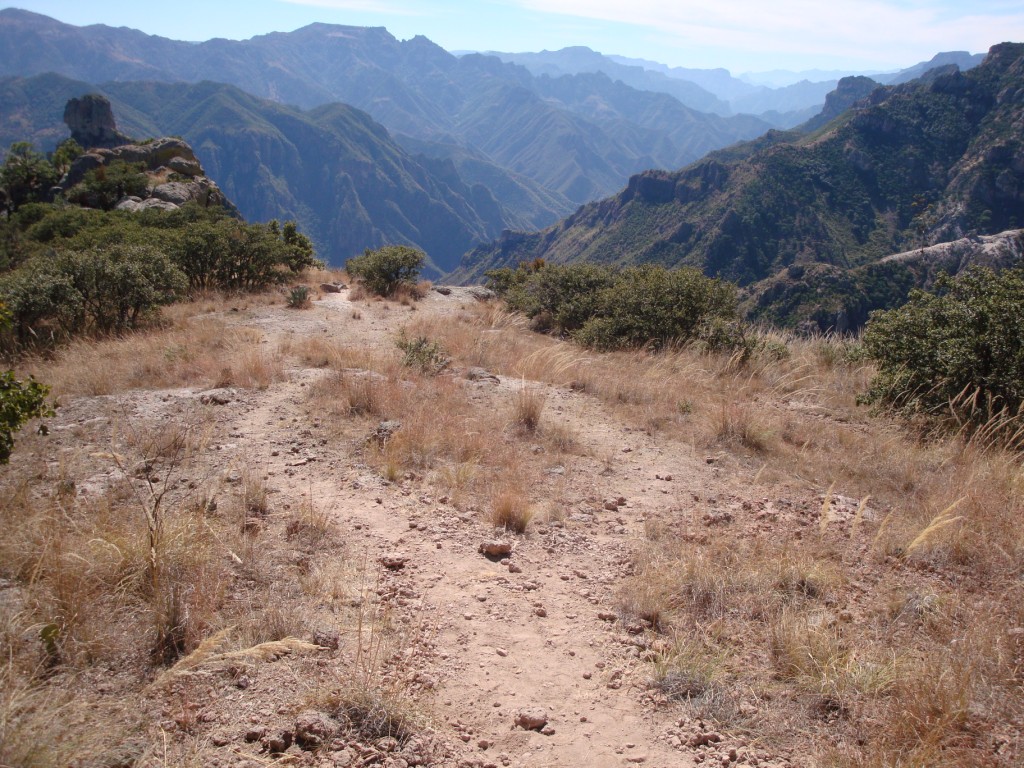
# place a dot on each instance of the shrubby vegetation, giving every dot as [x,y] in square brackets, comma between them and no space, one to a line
[76,270]
[20,401]
[99,290]
[956,353]
[382,271]
[606,308]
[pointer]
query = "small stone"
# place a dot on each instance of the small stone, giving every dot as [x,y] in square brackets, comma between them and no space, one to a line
[393,562]
[607,616]
[278,744]
[495,549]
[220,741]
[331,287]
[540,611]
[547,730]
[532,719]
[314,729]
[480,374]
[255,734]
[327,638]
[501,652]
[220,396]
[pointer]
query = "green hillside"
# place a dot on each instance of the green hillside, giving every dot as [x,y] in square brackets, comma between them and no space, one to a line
[333,169]
[910,166]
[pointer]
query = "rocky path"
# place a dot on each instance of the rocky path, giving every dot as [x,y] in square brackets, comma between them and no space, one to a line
[523,660]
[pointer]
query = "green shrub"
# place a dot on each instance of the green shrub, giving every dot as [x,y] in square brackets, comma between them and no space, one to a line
[382,271]
[100,291]
[957,352]
[298,297]
[428,356]
[653,306]
[26,176]
[19,402]
[605,308]
[104,186]
[224,253]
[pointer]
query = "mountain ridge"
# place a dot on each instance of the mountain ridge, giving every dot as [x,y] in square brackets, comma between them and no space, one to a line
[413,87]
[909,165]
[334,170]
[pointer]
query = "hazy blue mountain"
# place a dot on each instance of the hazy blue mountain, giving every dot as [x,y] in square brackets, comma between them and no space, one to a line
[333,168]
[581,60]
[962,59]
[804,219]
[419,91]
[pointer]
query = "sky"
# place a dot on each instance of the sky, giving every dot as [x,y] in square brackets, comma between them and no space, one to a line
[740,35]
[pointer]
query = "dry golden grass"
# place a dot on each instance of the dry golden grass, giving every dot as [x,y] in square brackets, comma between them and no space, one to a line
[947,505]
[884,633]
[511,510]
[202,353]
[527,406]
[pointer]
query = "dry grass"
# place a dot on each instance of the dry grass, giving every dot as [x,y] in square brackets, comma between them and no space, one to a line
[875,621]
[527,406]
[200,352]
[511,510]
[866,684]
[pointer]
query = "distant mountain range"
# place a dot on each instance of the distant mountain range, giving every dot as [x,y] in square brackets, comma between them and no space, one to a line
[803,218]
[579,137]
[794,98]
[402,142]
[333,169]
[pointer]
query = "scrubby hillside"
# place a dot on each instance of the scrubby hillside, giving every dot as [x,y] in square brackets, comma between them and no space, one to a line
[262,533]
[911,166]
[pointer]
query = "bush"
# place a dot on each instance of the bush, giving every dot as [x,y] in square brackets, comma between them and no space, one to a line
[19,402]
[382,271]
[298,297]
[428,356]
[105,186]
[26,176]
[100,291]
[652,306]
[606,308]
[958,352]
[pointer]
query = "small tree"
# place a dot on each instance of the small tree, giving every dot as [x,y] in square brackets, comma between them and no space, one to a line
[19,402]
[26,176]
[103,187]
[383,270]
[957,352]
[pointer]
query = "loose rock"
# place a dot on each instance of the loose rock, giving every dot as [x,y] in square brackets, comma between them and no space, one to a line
[495,549]
[533,719]
[314,729]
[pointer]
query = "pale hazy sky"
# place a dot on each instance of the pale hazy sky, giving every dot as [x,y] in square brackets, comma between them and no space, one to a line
[741,35]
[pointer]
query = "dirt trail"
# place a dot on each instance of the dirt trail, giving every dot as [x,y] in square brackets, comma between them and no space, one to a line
[538,630]
[503,641]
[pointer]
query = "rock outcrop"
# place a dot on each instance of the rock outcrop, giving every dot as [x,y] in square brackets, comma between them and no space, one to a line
[91,122]
[175,174]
